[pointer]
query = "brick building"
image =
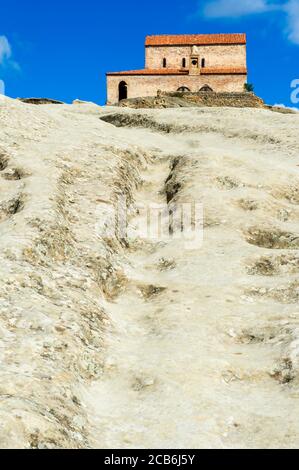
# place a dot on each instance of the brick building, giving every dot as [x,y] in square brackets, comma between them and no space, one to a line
[184,63]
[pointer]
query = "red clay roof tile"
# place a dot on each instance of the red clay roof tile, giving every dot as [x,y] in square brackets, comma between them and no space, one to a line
[223,71]
[152,72]
[195,39]
[204,71]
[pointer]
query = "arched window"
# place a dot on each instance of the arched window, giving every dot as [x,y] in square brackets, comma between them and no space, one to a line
[203,63]
[164,63]
[206,88]
[122,91]
[184,63]
[183,88]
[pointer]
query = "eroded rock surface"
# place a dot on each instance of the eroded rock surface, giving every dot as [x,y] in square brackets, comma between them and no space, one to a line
[133,342]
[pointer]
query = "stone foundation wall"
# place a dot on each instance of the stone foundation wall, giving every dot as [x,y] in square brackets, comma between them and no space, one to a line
[201,99]
[238,100]
[148,85]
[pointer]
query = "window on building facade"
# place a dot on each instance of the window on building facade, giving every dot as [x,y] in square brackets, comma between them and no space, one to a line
[203,63]
[183,88]
[184,63]
[164,63]
[122,91]
[206,88]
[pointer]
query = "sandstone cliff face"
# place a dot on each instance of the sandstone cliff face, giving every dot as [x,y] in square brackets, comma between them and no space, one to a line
[143,342]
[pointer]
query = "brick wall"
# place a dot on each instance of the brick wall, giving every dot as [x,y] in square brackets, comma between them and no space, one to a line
[148,85]
[215,56]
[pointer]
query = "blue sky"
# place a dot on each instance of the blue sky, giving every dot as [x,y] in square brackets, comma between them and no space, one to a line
[62,49]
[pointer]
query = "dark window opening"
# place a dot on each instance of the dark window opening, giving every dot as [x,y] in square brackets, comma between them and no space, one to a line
[206,88]
[183,88]
[122,91]
[195,62]
[203,63]
[184,63]
[164,63]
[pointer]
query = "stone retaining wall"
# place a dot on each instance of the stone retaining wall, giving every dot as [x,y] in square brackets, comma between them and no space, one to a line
[239,100]
[187,99]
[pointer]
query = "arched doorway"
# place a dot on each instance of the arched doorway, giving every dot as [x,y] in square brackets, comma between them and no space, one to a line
[183,88]
[122,91]
[206,88]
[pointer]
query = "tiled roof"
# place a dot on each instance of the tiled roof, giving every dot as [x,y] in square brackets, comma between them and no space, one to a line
[195,39]
[223,71]
[204,71]
[152,72]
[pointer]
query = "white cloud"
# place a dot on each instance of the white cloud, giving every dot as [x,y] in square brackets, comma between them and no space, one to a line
[239,8]
[6,55]
[292,11]
[286,107]
[5,49]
